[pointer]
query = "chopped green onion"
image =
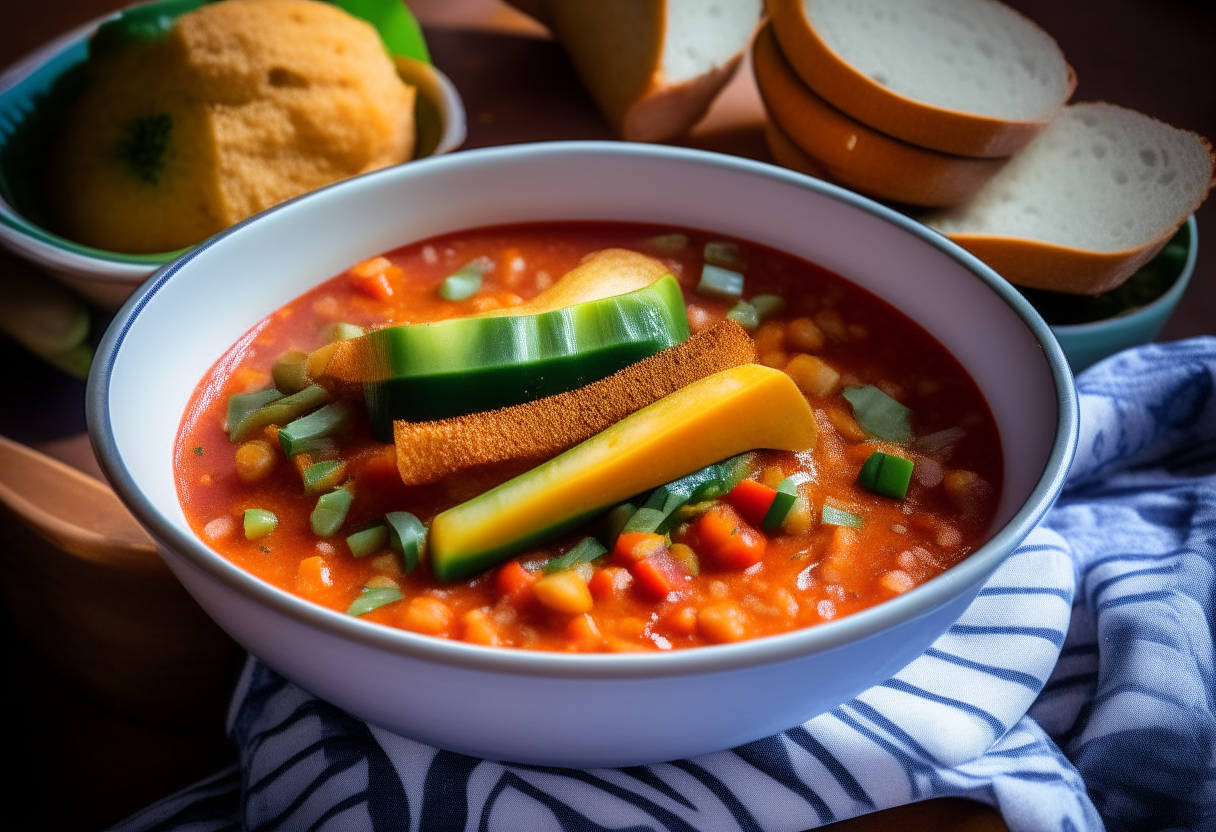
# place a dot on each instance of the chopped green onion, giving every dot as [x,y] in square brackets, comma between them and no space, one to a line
[465,281]
[279,410]
[407,537]
[787,495]
[886,474]
[330,512]
[672,243]
[833,516]
[645,520]
[323,476]
[723,253]
[614,522]
[259,522]
[302,435]
[745,315]
[585,551]
[341,332]
[372,598]
[368,541]
[720,283]
[290,372]
[243,405]
[767,306]
[879,415]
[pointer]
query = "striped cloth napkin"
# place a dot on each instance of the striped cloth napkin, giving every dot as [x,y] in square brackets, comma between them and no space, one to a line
[1076,692]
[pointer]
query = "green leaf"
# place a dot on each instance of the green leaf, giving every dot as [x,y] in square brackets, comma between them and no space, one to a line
[880,415]
[372,598]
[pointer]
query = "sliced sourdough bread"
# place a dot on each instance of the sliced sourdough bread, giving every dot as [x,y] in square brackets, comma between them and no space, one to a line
[969,77]
[1088,202]
[652,66]
[808,134]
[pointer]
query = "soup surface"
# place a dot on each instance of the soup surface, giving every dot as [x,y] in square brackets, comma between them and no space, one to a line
[804,537]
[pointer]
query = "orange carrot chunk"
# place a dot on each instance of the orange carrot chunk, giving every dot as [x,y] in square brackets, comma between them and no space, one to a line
[659,575]
[726,540]
[632,547]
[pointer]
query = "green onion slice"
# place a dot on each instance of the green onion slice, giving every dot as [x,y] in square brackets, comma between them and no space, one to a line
[368,541]
[886,474]
[259,522]
[787,495]
[330,512]
[303,434]
[724,253]
[407,537]
[372,598]
[720,283]
[880,415]
[745,315]
[585,551]
[767,306]
[833,516]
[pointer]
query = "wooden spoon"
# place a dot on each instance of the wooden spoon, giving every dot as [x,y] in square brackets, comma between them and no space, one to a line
[86,588]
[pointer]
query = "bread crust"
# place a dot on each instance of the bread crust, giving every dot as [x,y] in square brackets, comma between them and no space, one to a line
[808,134]
[936,128]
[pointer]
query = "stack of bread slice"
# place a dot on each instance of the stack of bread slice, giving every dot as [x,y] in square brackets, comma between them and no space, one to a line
[961,106]
[913,101]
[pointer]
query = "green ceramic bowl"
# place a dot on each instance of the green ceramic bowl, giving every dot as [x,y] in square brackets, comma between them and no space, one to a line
[1091,328]
[35,90]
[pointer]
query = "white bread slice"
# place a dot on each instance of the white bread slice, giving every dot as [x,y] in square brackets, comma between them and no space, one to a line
[969,77]
[652,66]
[1088,202]
[806,133]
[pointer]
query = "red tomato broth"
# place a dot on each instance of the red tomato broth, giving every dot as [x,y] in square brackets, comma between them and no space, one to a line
[801,579]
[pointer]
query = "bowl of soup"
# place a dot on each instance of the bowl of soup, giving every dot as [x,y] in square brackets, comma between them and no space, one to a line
[583,454]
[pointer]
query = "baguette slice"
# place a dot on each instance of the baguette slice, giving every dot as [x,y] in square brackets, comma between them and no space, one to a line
[652,66]
[969,77]
[807,134]
[1088,202]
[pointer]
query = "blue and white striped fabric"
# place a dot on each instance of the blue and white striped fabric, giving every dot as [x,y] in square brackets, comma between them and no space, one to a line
[1075,693]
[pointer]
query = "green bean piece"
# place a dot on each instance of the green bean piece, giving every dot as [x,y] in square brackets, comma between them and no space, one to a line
[373,598]
[278,411]
[465,281]
[330,512]
[585,551]
[724,253]
[406,537]
[324,476]
[744,314]
[259,522]
[303,435]
[290,372]
[369,541]
[720,283]
[767,306]
[242,406]
[886,474]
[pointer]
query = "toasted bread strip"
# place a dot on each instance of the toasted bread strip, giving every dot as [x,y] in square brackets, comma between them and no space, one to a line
[429,451]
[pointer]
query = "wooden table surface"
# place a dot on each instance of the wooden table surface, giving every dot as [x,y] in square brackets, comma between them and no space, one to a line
[81,767]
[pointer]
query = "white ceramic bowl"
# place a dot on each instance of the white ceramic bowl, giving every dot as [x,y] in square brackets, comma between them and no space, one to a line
[108,278]
[572,710]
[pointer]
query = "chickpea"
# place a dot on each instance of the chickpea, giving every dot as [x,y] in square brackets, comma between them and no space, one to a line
[255,460]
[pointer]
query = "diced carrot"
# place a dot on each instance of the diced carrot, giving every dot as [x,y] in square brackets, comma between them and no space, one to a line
[659,575]
[726,539]
[514,583]
[374,277]
[752,499]
[313,577]
[609,581]
[632,547]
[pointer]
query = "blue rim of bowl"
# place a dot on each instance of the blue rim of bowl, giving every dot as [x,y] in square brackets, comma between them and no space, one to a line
[56,58]
[719,658]
[1168,298]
